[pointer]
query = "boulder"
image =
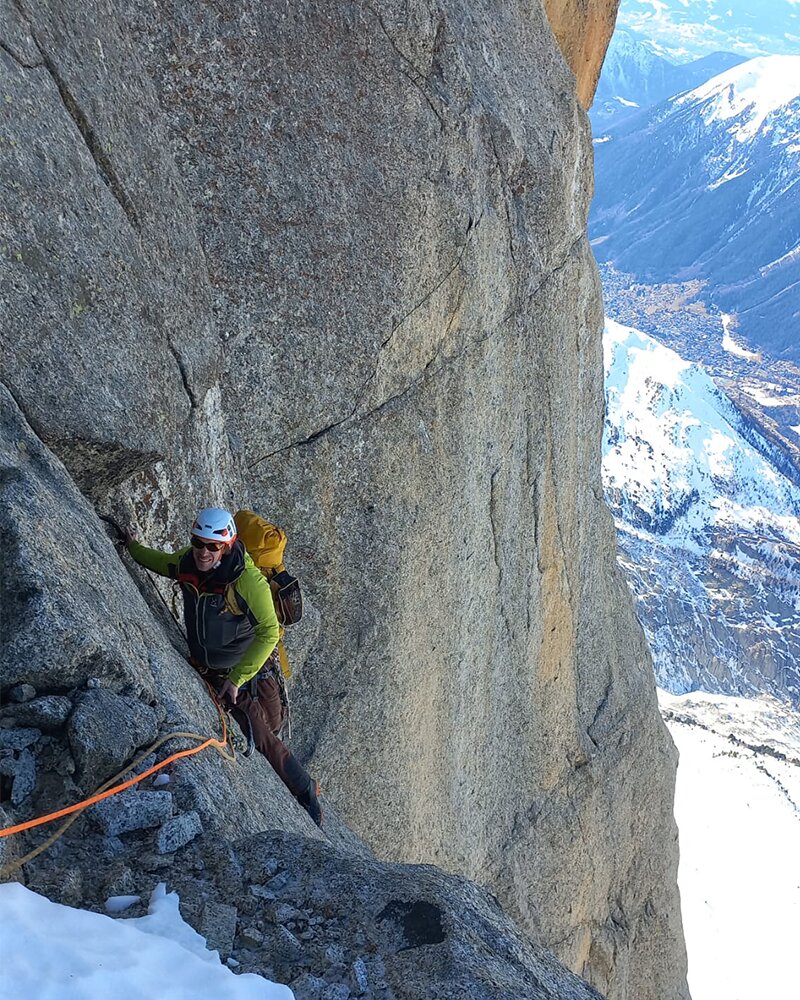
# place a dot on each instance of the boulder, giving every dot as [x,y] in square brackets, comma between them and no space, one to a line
[131,810]
[218,926]
[18,738]
[21,768]
[48,713]
[177,832]
[21,693]
[104,732]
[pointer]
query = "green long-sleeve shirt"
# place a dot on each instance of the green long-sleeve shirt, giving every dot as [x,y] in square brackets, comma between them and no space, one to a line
[220,639]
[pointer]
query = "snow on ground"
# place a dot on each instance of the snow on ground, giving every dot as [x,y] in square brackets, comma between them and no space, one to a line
[738,813]
[730,345]
[764,399]
[54,952]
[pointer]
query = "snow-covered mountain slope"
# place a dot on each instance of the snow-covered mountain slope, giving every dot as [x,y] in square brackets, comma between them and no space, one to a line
[737,805]
[687,29]
[705,187]
[635,76]
[707,524]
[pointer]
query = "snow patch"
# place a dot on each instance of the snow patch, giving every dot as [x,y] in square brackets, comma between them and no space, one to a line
[730,345]
[748,93]
[730,175]
[675,464]
[792,254]
[764,399]
[51,950]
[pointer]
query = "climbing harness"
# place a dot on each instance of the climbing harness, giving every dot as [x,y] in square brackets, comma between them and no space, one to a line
[205,673]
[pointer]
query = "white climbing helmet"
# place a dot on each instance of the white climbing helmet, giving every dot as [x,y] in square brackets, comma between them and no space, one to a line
[215,525]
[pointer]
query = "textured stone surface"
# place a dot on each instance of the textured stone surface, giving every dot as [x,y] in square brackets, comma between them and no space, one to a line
[308,987]
[21,769]
[48,713]
[336,991]
[218,927]
[132,810]
[60,626]
[104,732]
[331,260]
[18,739]
[62,884]
[583,29]
[117,266]
[177,832]
[21,693]
[9,846]
[250,937]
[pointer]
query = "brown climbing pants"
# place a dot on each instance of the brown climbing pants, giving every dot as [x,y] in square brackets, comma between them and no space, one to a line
[265,712]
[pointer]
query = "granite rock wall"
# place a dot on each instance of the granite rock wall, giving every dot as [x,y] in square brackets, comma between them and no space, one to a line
[330,260]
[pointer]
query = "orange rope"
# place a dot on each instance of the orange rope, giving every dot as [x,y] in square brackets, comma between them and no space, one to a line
[99,796]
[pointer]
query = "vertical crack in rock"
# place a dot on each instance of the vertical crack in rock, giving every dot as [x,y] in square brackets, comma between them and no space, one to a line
[184,374]
[560,267]
[598,712]
[533,492]
[587,841]
[418,77]
[565,562]
[492,513]
[18,59]
[505,189]
[568,255]
[496,548]
[105,168]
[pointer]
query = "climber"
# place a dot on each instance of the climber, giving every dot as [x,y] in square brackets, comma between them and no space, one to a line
[232,631]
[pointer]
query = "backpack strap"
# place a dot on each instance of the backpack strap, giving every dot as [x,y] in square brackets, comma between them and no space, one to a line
[232,601]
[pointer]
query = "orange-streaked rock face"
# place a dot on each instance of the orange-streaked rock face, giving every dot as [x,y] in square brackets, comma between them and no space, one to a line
[583,29]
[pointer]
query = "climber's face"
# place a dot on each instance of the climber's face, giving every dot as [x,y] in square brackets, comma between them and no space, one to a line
[206,554]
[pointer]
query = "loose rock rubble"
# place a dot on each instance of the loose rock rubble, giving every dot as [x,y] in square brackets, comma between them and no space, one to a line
[330,925]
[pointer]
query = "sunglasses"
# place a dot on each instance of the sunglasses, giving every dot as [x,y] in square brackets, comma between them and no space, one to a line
[198,543]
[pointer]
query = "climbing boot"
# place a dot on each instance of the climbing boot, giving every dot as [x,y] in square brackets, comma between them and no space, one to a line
[309,800]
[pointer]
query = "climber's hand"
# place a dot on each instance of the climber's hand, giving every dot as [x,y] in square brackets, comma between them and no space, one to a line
[228,692]
[128,536]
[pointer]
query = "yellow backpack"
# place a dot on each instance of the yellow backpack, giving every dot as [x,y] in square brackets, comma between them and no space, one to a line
[266,544]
